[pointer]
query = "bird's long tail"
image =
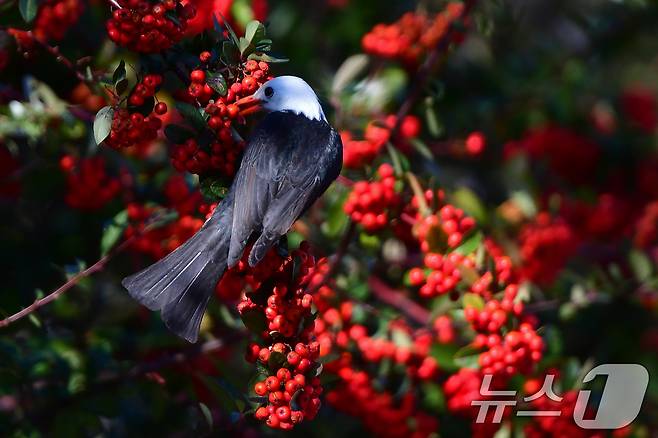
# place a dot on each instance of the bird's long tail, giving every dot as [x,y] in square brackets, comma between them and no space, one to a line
[180,285]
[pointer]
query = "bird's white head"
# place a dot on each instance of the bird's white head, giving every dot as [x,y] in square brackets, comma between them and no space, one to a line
[284,93]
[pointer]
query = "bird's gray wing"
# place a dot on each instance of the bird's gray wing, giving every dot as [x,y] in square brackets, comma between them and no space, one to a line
[289,162]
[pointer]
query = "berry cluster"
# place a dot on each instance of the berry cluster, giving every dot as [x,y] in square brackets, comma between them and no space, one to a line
[444,329]
[516,352]
[218,158]
[281,388]
[181,198]
[461,389]
[569,155]
[546,244]
[438,234]
[411,36]
[55,17]
[562,425]
[158,242]
[503,268]
[369,203]
[358,153]
[279,313]
[382,414]
[131,127]
[149,27]
[222,155]
[494,315]
[250,76]
[453,224]
[356,393]
[89,187]
[442,275]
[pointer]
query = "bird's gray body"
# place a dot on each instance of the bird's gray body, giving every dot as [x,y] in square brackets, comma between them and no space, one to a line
[289,162]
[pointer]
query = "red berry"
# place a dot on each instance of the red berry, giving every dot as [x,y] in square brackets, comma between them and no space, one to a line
[160,108]
[198,76]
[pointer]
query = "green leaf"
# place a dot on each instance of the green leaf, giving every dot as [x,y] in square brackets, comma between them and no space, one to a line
[445,356]
[336,220]
[434,126]
[119,72]
[347,73]
[230,52]
[473,300]
[243,45]
[103,124]
[401,338]
[35,320]
[121,86]
[28,9]
[471,244]
[254,32]
[422,148]
[640,264]
[433,398]
[192,115]
[206,414]
[468,361]
[468,201]
[230,30]
[113,232]
[267,58]
[217,82]
[369,241]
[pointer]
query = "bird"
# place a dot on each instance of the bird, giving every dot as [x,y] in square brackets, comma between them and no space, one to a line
[292,156]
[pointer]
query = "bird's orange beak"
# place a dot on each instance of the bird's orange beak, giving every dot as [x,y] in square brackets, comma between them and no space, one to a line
[248,105]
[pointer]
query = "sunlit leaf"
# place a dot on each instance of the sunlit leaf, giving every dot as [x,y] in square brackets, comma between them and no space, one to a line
[103,124]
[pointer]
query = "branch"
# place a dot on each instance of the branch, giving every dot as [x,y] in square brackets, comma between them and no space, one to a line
[98,266]
[399,300]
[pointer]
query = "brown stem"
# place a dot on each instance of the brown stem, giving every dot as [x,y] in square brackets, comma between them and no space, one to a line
[398,300]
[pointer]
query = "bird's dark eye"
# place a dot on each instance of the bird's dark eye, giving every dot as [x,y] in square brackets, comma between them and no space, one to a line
[269,92]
